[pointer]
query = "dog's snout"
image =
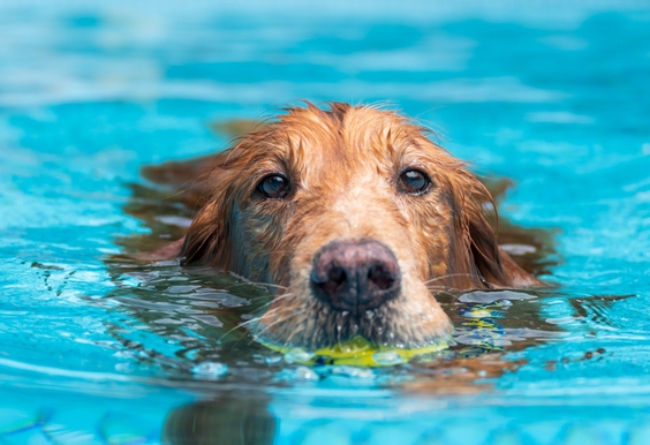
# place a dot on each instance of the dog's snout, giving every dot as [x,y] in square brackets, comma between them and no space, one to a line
[355,276]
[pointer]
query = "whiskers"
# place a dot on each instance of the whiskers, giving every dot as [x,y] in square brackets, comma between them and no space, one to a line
[276,300]
[271,313]
[432,287]
[258,283]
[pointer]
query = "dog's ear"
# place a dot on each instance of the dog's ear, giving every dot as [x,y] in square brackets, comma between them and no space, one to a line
[485,264]
[476,240]
[207,238]
[485,255]
[205,242]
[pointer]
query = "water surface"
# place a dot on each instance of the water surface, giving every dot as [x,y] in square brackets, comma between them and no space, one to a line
[555,98]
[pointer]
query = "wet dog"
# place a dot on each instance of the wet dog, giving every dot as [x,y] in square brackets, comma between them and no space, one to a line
[354,214]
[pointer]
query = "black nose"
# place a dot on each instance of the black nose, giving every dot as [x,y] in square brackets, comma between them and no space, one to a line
[355,276]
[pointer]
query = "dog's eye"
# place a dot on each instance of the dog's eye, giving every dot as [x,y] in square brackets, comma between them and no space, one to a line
[414,182]
[273,186]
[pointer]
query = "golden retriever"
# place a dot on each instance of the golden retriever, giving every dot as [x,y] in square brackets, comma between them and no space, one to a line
[354,214]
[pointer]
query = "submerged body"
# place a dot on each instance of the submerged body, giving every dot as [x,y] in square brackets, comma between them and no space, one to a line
[356,217]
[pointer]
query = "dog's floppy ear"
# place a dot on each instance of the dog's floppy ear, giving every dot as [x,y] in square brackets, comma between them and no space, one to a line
[206,241]
[480,254]
[210,184]
[484,247]
[485,264]
[206,238]
[191,184]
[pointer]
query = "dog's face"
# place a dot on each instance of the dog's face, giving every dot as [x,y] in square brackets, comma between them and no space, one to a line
[357,217]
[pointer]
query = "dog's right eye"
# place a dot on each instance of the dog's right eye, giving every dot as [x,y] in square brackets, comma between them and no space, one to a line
[273,186]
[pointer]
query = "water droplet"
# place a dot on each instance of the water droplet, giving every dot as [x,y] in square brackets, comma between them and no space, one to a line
[273,359]
[353,371]
[494,296]
[505,304]
[305,373]
[210,370]
[563,320]
[181,289]
[387,358]
[298,356]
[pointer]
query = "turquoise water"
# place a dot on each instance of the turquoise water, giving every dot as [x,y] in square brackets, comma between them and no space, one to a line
[556,98]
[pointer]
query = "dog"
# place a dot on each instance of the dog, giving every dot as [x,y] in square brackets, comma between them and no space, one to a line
[354,215]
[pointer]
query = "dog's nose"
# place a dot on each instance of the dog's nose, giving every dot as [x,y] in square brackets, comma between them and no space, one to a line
[355,276]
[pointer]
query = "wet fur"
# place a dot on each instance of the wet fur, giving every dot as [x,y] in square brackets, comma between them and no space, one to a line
[344,163]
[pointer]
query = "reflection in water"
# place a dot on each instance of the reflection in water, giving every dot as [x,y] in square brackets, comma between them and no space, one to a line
[237,419]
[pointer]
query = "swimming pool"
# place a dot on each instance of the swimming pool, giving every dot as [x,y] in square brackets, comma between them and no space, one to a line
[555,98]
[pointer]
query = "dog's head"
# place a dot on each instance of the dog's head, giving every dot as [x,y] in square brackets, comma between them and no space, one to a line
[357,216]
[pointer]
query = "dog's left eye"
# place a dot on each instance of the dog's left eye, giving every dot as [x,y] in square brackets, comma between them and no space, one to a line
[414,181]
[273,186]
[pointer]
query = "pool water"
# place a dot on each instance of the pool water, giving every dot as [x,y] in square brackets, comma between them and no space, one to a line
[97,349]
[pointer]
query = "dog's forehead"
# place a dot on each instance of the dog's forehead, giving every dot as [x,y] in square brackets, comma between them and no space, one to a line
[347,135]
[340,145]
